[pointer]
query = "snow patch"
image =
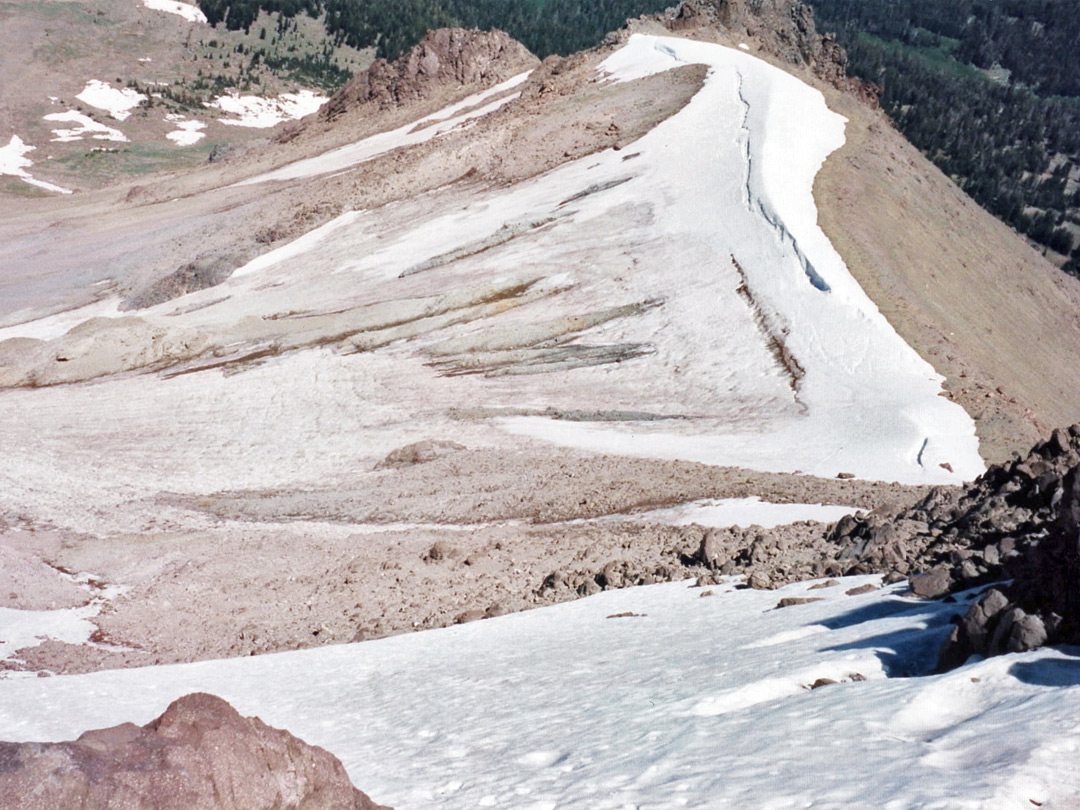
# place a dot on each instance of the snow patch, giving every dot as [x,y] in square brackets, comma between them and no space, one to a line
[189,12]
[14,163]
[20,629]
[675,709]
[260,113]
[742,512]
[85,126]
[118,102]
[187,132]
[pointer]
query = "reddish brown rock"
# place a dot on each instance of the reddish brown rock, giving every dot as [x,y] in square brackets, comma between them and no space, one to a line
[199,755]
[446,57]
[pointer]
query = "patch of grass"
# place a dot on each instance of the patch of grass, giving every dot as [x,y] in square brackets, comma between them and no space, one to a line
[19,188]
[104,165]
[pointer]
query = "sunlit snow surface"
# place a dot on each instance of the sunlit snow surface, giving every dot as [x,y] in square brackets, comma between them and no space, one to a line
[187,132]
[743,512]
[693,702]
[726,181]
[84,126]
[189,11]
[117,101]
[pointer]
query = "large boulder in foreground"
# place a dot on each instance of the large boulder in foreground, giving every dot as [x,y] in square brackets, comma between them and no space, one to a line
[199,755]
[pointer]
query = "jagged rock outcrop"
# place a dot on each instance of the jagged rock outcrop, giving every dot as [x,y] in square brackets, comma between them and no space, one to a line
[784,28]
[955,540]
[199,755]
[445,57]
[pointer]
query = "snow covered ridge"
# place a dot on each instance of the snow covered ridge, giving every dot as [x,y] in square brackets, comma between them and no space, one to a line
[721,307]
[662,696]
[189,11]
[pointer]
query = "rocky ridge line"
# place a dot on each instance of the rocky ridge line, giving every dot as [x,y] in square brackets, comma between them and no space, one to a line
[444,57]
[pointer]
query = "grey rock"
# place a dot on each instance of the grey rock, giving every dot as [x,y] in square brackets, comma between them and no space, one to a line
[712,553]
[932,584]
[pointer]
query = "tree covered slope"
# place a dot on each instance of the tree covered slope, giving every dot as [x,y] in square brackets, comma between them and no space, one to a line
[990,91]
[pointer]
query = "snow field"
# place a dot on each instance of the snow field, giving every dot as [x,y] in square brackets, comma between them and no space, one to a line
[661,226]
[863,387]
[20,629]
[743,512]
[690,702]
[187,132]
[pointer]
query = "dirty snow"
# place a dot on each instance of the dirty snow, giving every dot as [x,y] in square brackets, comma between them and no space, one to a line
[14,163]
[20,629]
[118,102]
[188,11]
[85,127]
[438,123]
[689,703]
[742,512]
[260,113]
[725,177]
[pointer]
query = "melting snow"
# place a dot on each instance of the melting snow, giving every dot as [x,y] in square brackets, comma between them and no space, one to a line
[259,112]
[188,11]
[116,101]
[85,126]
[689,703]
[14,163]
[739,512]
[20,629]
[414,132]
[186,132]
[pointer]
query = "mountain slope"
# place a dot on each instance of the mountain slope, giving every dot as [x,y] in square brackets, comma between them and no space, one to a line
[991,314]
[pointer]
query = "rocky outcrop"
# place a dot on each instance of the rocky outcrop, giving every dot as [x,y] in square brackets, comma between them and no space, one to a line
[199,755]
[445,57]
[1015,531]
[782,28]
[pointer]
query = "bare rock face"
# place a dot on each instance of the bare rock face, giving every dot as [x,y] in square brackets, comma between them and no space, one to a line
[445,57]
[199,755]
[782,27]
